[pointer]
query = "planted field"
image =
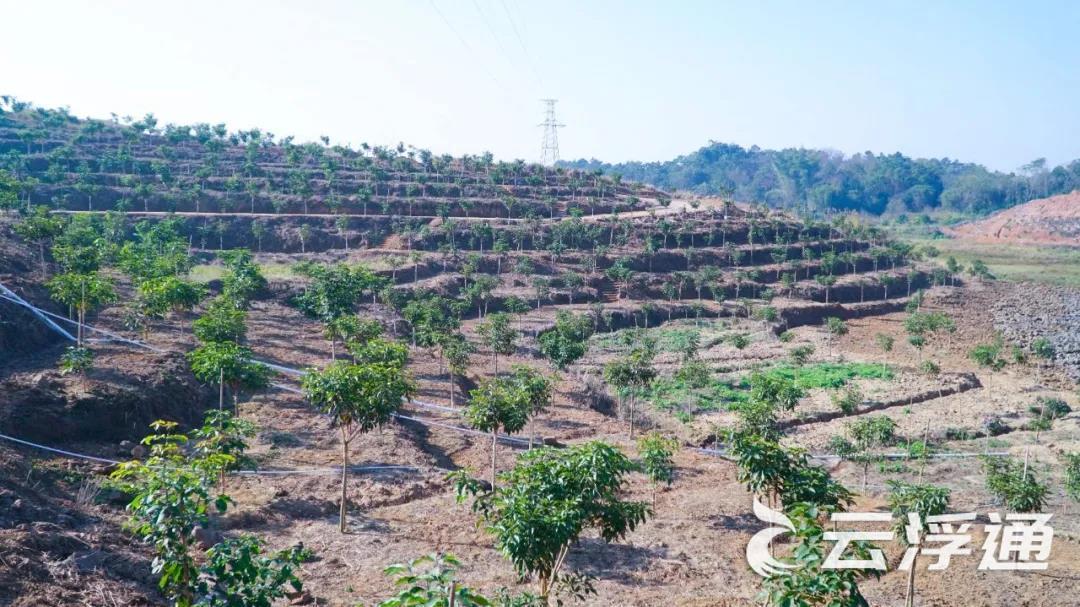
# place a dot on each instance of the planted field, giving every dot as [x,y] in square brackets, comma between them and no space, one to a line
[374,332]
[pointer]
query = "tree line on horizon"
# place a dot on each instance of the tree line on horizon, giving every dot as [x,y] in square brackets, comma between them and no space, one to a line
[824,181]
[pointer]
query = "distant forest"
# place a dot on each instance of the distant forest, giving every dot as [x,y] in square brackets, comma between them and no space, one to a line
[822,180]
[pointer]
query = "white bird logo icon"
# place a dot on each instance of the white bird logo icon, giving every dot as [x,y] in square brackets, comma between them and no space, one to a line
[757,550]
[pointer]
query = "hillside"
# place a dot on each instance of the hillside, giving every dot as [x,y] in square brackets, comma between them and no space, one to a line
[824,181]
[480,273]
[263,189]
[1054,220]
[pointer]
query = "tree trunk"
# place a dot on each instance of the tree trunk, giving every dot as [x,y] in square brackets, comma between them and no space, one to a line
[344,479]
[494,444]
[910,599]
[221,389]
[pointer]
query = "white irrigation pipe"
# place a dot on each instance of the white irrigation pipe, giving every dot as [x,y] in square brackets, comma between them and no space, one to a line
[502,437]
[891,456]
[505,438]
[103,460]
[10,295]
[282,369]
[291,371]
[60,451]
[108,334]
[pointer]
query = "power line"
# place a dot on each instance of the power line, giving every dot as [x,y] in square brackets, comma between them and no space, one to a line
[521,41]
[469,48]
[549,146]
[491,30]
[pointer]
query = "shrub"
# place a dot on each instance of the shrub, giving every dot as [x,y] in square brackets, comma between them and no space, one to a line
[847,400]
[1014,484]
[1072,476]
[76,360]
[958,434]
[994,426]
[986,355]
[694,373]
[1050,408]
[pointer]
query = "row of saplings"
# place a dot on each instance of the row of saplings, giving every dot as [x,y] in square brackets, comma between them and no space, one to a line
[174,488]
[536,511]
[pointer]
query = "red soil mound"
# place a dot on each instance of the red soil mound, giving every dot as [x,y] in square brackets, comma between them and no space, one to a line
[1054,220]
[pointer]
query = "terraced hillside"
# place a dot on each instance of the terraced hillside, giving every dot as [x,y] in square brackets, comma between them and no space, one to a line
[568,274]
[133,166]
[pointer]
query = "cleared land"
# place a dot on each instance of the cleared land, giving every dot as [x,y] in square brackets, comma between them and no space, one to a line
[736,280]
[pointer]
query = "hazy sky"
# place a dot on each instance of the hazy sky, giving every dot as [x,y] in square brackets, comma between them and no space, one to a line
[991,82]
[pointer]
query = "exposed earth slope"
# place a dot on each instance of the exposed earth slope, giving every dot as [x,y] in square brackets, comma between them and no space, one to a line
[1054,220]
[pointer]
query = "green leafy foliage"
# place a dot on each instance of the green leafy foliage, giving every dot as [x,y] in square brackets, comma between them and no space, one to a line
[222,440]
[378,351]
[809,584]
[568,341]
[921,499]
[824,181]
[776,390]
[164,295]
[427,582]
[499,335]
[829,375]
[835,326]
[228,362]
[76,360]
[243,279]
[83,292]
[1015,484]
[238,574]
[38,227]
[158,250]
[334,290]
[172,500]
[497,404]
[988,355]
[549,499]
[1072,475]
[781,473]
[847,400]
[358,398]
[222,321]
[657,452]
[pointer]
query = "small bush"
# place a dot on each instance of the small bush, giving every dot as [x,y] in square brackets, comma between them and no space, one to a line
[847,400]
[76,360]
[694,373]
[987,355]
[959,434]
[994,426]
[1050,408]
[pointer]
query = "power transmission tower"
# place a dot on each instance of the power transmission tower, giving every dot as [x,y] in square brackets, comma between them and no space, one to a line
[549,147]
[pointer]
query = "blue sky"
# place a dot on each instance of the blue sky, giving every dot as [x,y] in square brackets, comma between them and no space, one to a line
[989,82]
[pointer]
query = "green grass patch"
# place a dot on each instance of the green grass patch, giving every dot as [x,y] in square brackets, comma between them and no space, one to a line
[1049,264]
[674,395]
[272,271]
[828,375]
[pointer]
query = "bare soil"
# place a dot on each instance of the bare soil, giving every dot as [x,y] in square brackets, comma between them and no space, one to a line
[1054,220]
